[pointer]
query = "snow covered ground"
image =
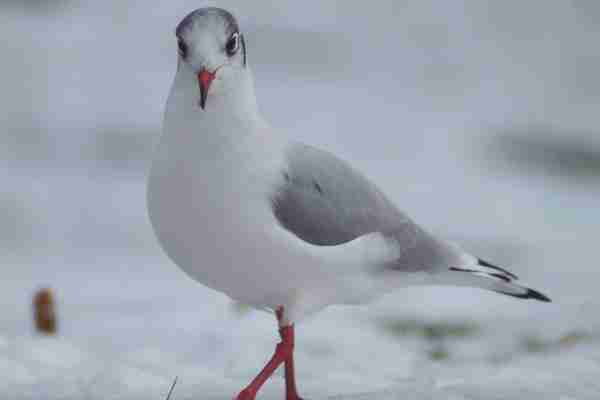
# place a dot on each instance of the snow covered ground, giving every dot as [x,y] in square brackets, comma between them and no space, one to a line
[478,120]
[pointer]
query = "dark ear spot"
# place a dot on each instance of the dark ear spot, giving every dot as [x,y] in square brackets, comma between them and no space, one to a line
[243,48]
[318,187]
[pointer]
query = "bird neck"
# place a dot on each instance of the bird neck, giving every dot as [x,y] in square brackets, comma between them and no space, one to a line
[230,113]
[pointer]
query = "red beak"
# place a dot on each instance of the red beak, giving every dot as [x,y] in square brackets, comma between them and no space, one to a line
[205,78]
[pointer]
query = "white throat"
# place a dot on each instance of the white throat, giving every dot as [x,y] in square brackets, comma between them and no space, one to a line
[230,114]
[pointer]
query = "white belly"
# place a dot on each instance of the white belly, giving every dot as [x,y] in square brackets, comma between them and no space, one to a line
[214,220]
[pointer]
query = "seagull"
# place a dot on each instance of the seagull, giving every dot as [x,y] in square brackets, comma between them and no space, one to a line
[276,224]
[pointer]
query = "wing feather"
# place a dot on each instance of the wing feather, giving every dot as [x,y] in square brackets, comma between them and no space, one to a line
[324,201]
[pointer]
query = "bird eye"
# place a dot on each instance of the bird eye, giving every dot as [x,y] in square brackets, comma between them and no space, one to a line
[182,48]
[233,44]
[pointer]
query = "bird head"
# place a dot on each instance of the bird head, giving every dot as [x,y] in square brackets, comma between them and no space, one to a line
[211,47]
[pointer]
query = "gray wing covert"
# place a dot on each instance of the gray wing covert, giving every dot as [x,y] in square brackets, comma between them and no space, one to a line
[324,201]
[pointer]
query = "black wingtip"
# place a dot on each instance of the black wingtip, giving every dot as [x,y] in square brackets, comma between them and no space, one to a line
[529,294]
[484,263]
[534,294]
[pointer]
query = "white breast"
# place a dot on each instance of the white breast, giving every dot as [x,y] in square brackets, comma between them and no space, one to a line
[209,204]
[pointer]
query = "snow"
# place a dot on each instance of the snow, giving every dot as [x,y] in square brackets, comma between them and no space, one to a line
[438,100]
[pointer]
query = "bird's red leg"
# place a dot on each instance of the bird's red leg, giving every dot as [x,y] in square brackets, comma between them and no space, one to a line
[290,377]
[283,351]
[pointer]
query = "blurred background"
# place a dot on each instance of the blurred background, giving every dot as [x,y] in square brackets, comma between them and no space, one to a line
[479,118]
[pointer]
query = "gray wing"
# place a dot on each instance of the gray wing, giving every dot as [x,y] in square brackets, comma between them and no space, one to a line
[324,201]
